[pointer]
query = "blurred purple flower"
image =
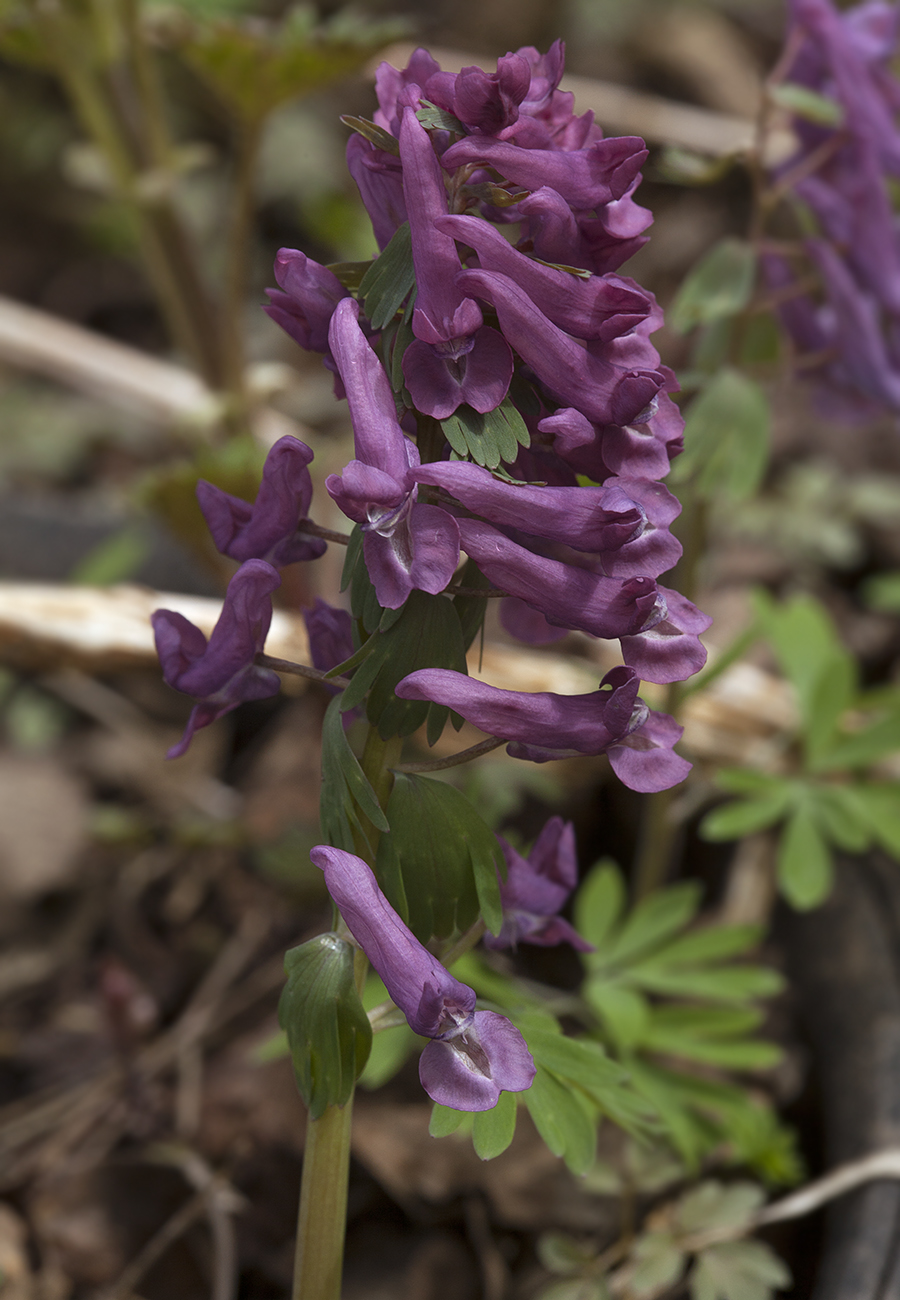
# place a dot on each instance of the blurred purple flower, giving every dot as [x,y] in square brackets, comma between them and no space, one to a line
[220,673]
[268,529]
[473,1055]
[536,888]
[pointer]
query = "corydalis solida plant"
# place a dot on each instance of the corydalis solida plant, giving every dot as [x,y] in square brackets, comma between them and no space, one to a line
[486,379]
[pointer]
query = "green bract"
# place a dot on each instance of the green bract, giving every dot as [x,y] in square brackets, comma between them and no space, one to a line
[327,1029]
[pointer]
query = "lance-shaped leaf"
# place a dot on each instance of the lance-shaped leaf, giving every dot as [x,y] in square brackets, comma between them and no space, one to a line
[327,1029]
[346,795]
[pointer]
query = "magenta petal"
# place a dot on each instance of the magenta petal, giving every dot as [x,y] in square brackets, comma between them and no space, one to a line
[587,518]
[473,1080]
[645,761]
[527,624]
[488,370]
[584,724]
[434,384]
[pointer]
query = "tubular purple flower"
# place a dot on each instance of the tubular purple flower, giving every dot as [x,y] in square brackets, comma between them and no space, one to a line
[542,726]
[567,596]
[268,529]
[310,294]
[625,520]
[574,374]
[637,450]
[597,243]
[379,179]
[441,314]
[330,633]
[585,178]
[220,673]
[536,888]
[594,308]
[473,1055]
[670,650]
[485,102]
[407,545]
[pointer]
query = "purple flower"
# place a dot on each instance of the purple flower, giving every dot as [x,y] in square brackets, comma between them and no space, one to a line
[544,726]
[535,889]
[330,633]
[379,179]
[452,359]
[590,377]
[407,546]
[220,673]
[642,449]
[267,530]
[304,304]
[599,242]
[567,596]
[584,178]
[473,1055]
[625,521]
[483,101]
[593,308]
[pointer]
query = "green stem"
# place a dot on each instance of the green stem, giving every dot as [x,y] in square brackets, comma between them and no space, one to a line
[321,1223]
[322,1219]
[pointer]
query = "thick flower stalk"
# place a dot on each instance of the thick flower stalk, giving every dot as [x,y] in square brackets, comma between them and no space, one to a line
[842,175]
[473,1056]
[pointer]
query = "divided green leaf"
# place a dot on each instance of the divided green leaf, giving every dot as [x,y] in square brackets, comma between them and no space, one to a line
[488,439]
[438,119]
[720,285]
[375,134]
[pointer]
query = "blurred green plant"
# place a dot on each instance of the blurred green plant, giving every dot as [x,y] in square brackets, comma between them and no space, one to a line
[832,791]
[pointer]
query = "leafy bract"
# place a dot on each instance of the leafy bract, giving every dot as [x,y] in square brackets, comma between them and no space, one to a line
[327,1029]
[439,864]
[346,797]
[389,279]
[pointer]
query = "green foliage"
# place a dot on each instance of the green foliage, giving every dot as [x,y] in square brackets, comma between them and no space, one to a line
[488,439]
[649,954]
[346,798]
[115,559]
[829,802]
[389,279]
[807,104]
[255,67]
[391,1047]
[720,285]
[493,1130]
[327,1029]
[438,865]
[738,1270]
[424,633]
[726,438]
[438,119]
[882,593]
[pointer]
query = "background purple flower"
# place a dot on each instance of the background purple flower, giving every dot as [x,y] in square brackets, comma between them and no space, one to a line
[220,673]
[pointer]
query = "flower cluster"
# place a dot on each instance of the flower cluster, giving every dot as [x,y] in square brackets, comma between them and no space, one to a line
[542,329]
[507,406]
[842,174]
